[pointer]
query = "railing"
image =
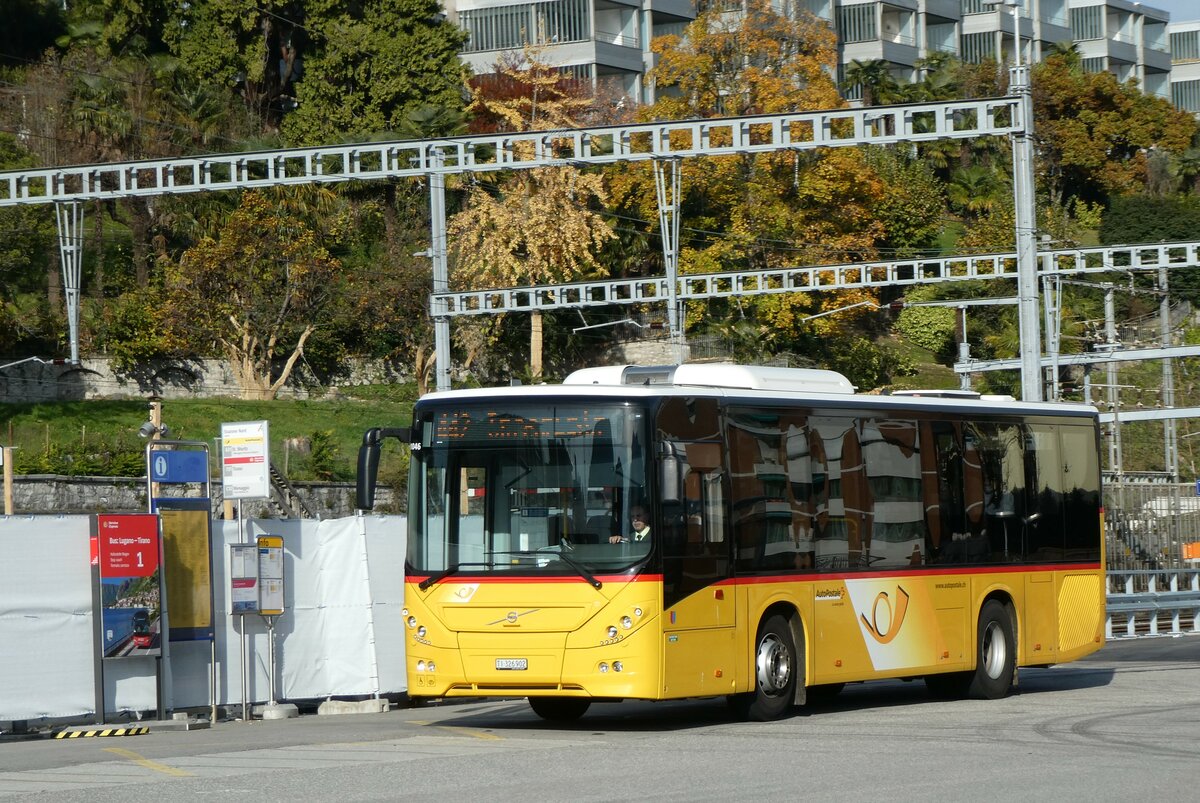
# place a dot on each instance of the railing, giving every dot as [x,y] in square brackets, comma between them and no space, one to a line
[1153,603]
[617,39]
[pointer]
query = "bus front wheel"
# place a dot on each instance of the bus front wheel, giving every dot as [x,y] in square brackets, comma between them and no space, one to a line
[559,709]
[995,653]
[776,672]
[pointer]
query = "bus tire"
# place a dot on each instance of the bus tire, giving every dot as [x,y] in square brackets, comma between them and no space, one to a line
[995,653]
[559,709]
[776,672]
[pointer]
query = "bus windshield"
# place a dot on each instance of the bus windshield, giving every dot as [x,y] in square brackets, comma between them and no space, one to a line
[547,488]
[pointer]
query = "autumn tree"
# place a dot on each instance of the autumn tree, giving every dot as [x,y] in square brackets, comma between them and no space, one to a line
[530,227]
[769,210]
[1095,134]
[257,292]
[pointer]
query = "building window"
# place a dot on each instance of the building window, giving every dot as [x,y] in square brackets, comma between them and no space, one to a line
[978,47]
[857,23]
[818,8]
[511,27]
[1093,64]
[942,38]
[1185,46]
[1054,12]
[1186,95]
[1087,23]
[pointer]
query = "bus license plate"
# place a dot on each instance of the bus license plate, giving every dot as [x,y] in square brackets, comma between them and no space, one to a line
[512,663]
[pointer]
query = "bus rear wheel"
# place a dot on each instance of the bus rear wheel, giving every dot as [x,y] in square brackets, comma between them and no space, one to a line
[995,653]
[995,660]
[559,709]
[776,672]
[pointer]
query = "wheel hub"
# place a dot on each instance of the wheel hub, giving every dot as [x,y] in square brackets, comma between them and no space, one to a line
[774,665]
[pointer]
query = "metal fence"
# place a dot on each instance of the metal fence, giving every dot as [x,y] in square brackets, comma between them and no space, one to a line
[1147,524]
[1153,603]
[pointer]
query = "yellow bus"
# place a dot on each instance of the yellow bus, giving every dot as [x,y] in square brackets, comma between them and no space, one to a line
[763,534]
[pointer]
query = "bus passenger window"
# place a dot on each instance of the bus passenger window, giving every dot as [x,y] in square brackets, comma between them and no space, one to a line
[1081,484]
[770,525]
[890,449]
[1043,528]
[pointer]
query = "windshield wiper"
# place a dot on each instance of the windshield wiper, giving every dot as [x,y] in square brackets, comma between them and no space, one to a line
[584,573]
[579,569]
[444,573]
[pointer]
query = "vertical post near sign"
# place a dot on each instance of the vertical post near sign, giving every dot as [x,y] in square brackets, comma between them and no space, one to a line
[270,595]
[245,474]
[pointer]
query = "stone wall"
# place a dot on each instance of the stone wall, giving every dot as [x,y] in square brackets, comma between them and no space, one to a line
[48,493]
[96,378]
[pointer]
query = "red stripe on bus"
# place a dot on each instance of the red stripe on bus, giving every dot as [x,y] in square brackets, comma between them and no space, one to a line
[913,572]
[566,578]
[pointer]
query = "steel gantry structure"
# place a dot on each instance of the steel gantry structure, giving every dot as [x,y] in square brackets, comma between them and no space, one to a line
[663,143]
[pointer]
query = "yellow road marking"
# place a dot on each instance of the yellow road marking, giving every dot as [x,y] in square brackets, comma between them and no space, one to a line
[142,761]
[468,732]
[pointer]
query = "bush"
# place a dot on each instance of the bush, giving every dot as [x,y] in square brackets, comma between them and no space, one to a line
[931,328]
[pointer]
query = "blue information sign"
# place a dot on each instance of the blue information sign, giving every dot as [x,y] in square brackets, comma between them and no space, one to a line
[189,466]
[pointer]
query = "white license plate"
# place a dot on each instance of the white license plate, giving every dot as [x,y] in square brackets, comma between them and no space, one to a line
[512,663]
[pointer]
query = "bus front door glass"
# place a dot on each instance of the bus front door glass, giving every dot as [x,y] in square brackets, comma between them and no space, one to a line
[699,613]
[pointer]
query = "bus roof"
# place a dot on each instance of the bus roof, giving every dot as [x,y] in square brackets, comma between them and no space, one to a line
[765,383]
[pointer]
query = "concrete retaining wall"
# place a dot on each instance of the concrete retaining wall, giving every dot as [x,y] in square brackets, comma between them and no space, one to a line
[96,378]
[50,493]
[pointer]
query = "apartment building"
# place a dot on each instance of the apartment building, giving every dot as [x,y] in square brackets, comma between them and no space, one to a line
[604,41]
[1185,65]
[608,41]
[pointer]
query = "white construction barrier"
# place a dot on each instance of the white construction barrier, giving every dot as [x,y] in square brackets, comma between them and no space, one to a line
[340,634]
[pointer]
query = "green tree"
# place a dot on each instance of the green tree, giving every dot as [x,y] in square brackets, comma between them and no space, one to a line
[875,79]
[370,65]
[258,291]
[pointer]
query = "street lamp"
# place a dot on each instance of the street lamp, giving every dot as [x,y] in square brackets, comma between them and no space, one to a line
[154,428]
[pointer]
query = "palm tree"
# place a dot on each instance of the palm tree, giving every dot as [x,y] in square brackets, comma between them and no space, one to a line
[875,78]
[973,190]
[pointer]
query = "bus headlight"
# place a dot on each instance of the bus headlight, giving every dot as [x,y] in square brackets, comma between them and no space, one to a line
[412,621]
[637,612]
[626,622]
[617,666]
[603,667]
[421,631]
[432,667]
[612,631]
[420,666]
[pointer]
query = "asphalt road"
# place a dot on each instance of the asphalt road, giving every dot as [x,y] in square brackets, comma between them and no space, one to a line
[1122,724]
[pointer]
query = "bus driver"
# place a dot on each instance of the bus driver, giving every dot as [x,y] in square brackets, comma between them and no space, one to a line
[641,530]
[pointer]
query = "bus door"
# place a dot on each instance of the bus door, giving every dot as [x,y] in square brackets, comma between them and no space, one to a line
[698,609]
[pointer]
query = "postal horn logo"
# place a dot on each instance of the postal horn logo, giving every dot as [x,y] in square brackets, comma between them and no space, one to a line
[884,629]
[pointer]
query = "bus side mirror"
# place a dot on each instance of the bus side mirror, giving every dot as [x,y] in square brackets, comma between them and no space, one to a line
[368,460]
[668,479]
[368,470]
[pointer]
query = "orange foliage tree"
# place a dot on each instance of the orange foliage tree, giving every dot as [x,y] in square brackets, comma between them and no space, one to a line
[769,210]
[530,227]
